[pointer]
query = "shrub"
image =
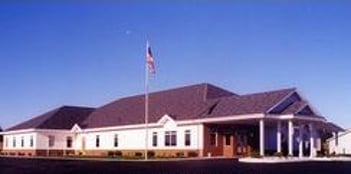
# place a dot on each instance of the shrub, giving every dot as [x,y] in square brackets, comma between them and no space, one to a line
[180,154]
[118,153]
[278,154]
[192,154]
[150,154]
[256,154]
[110,153]
[138,154]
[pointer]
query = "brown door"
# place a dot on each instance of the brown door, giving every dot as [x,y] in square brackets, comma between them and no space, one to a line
[228,145]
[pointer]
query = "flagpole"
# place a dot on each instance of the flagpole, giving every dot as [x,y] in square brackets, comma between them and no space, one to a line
[146,104]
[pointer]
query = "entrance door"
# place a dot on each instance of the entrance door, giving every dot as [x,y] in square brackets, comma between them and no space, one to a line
[228,145]
[241,143]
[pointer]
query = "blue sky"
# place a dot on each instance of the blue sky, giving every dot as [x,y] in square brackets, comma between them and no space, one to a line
[64,53]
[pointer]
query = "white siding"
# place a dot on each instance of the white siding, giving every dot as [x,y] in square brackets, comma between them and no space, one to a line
[344,143]
[134,139]
[26,137]
[60,140]
[40,140]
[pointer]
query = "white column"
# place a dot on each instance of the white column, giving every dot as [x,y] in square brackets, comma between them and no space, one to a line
[311,140]
[279,137]
[290,137]
[261,137]
[301,141]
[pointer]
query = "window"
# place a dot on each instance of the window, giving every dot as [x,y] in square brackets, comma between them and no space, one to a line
[69,142]
[115,141]
[14,142]
[227,140]
[213,138]
[154,139]
[170,138]
[22,142]
[51,141]
[31,141]
[97,141]
[187,138]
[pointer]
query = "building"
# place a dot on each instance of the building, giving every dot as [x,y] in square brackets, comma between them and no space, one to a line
[340,143]
[47,134]
[1,140]
[196,120]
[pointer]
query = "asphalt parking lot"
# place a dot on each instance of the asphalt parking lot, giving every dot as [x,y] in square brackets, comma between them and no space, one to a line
[210,166]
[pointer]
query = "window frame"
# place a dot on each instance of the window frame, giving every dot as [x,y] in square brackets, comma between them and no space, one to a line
[69,142]
[14,142]
[97,141]
[51,142]
[22,141]
[170,138]
[187,138]
[154,139]
[115,140]
[31,141]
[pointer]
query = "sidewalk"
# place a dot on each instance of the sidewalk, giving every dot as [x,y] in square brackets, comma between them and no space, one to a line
[291,159]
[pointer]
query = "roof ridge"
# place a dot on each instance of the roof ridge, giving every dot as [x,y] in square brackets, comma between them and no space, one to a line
[158,92]
[270,91]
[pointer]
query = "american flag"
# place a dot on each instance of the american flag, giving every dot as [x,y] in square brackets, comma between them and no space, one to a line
[150,59]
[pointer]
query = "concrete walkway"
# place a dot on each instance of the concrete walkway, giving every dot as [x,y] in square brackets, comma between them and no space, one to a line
[291,159]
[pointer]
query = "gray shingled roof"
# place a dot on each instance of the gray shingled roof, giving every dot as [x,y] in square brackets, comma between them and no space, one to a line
[61,118]
[186,103]
[250,103]
[181,103]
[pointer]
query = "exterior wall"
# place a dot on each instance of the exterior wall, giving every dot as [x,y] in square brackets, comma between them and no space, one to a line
[212,150]
[13,143]
[342,145]
[134,139]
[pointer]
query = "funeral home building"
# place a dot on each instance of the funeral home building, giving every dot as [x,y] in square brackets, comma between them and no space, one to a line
[195,120]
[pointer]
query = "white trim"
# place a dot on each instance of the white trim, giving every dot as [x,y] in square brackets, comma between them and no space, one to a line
[262,137]
[290,137]
[314,109]
[34,130]
[164,119]
[282,100]
[184,122]
[17,131]
[76,128]
[300,117]
[301,107]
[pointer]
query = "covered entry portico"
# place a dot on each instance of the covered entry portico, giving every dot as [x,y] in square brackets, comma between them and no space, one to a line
[292,135]
[230,139]
[300,134]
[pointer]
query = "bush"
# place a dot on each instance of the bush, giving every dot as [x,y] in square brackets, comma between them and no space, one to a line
[118,153]
[150,154]
[278,154]
[256,154]
[180,154]
[110,153]
[138,154]
[192,154]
